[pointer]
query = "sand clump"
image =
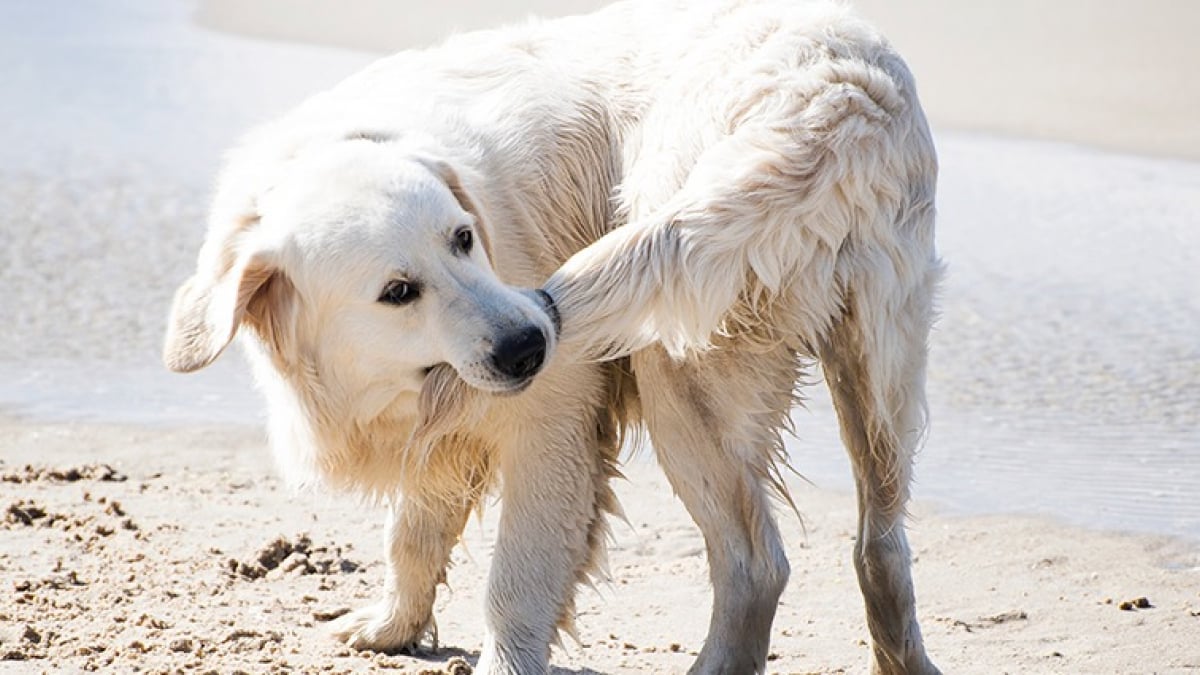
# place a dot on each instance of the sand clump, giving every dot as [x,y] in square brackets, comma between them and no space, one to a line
[31,473]
[284,555]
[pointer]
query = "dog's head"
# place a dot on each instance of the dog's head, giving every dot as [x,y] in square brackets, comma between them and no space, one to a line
[364,266]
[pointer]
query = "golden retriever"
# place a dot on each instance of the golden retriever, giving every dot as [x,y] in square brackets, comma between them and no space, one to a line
[703,198]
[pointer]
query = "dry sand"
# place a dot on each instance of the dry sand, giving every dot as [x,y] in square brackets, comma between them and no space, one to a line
[168,545]
[134,550]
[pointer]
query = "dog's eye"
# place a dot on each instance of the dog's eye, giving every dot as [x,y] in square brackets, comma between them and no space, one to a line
[464,239]
[399,292]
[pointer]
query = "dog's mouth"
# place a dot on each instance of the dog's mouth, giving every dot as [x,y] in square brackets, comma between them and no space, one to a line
[513,389]
[516,353]
[500,386]
[495,386]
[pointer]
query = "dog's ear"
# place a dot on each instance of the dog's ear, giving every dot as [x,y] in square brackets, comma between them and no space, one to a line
[458,188]
[208,309]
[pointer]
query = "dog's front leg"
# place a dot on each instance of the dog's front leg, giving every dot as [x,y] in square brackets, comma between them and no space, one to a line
[551,531]
[418,538]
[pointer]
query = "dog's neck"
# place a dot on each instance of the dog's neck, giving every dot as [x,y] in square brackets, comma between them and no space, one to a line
[372,448]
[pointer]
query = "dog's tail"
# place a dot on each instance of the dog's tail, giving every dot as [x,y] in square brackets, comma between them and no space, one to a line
[831,172]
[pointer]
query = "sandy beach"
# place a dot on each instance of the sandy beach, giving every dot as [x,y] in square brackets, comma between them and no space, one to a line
[147,557]
[1056,527]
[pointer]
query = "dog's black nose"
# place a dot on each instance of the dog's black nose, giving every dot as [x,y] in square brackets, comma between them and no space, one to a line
[520,353]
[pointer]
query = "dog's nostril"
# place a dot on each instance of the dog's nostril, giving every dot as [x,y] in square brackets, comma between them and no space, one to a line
[520,353]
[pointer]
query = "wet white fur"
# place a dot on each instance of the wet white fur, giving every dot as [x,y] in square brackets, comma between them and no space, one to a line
[713,194]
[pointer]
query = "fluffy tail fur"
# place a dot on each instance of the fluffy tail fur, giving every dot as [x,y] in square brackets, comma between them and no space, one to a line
[827,177]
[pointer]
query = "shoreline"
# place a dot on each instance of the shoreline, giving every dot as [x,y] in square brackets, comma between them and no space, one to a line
[242,433]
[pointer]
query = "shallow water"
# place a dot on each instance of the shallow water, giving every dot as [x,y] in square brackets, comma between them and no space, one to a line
[1064,371]
[1064,374]
[116,114]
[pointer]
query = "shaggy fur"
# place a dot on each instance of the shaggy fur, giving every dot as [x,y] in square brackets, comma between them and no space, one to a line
[710,197]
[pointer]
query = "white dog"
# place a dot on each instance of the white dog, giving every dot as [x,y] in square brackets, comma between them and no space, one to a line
[706,196]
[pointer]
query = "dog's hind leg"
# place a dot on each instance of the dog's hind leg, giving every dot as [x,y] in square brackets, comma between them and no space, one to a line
[874,360]
[715,420]
[806,195]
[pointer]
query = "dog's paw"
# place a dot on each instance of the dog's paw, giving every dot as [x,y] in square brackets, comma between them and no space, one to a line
[380,627]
